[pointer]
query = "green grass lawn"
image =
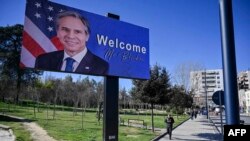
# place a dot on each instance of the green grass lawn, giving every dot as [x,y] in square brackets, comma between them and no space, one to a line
[158,120]
[65,126]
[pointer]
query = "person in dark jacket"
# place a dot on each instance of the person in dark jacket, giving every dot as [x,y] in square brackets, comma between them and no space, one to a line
[169,124]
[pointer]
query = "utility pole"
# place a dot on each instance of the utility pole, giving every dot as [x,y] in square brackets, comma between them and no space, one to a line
[206,92]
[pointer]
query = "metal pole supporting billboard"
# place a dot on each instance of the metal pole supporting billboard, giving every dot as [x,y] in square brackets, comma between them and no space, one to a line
[111,114]
[229,63]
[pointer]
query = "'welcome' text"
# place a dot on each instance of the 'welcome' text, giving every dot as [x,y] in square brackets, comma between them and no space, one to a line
[104,40]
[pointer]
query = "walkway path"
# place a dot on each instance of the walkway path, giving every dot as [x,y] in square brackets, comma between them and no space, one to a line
[199,129]
[6,134]
[37,132]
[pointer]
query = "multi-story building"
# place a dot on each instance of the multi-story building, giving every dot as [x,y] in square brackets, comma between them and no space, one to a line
[212,80]
[204,84]
[247,94]
[243,80]
[244,91]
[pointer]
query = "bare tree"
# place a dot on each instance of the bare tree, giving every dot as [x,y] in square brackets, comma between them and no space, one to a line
[80,92]
[122,99]
[71,97]
[57,90]
[5,86]
[36,94]
[182,74]
[100,94]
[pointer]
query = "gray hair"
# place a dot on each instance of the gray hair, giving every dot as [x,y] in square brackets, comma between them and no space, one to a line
[75,15]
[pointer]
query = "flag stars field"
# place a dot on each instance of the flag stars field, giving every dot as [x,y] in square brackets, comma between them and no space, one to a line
[38,4]
[50,18]
[50,28]
[37,15]
[50,8]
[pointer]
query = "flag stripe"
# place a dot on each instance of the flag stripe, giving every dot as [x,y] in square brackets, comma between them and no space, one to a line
[57,43]
[35,33]
[31,45]
[39,35]
[21,65]
[27,58]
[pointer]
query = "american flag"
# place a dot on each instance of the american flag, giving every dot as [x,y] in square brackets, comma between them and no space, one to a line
[39,35]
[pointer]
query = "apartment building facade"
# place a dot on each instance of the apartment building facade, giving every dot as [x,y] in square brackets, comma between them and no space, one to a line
[244,91]
[204,83]
[243,80]
[212,80]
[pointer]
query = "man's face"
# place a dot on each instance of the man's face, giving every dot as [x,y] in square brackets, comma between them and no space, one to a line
[73,34]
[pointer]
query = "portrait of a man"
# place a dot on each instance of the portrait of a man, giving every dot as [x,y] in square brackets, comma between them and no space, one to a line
[61,38]
[73,31]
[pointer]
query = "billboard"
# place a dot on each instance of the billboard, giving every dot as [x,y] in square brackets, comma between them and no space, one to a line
[61,38]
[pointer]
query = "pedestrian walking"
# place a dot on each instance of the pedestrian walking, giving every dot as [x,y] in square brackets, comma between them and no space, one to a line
[169,124]
[195,113]
[192,114]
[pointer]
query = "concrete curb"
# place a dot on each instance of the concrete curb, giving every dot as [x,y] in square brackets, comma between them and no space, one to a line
[14,118]
[4,127]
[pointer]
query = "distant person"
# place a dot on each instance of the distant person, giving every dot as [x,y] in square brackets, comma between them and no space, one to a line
[169,124]
[192,114]
[195,113]
[73,32]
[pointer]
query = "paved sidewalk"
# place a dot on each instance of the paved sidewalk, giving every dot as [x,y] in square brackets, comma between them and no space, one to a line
[6,134]
[217,122]
[199,129]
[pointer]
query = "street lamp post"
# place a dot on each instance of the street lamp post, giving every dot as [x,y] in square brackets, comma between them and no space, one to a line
[206,93]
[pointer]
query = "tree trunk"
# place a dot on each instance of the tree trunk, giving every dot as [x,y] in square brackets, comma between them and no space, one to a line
[152,116]
[34,104]
[47,113]
[82,116]
[3,99]
[54,111]
[85,107]
[18,85]
[34,110]
[8,106]
[38,105]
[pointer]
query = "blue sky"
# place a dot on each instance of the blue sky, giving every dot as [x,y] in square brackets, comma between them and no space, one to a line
[180,31]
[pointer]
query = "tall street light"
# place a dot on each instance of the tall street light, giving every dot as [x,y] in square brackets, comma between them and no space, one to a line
[206,92]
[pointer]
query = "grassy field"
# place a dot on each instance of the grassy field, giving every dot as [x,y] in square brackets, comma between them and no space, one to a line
[80,127]
[158,120]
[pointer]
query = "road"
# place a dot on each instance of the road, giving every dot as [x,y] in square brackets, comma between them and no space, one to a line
[217,120]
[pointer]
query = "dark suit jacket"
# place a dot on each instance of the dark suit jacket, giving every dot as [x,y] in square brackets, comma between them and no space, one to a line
[90,64]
